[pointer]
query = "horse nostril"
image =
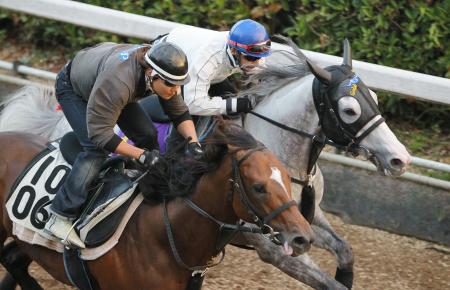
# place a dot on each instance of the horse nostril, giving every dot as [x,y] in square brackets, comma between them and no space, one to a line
[397,163]
[299,241]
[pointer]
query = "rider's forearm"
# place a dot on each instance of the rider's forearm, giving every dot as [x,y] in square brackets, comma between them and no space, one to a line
[187,129]
[128,150]
[207,106]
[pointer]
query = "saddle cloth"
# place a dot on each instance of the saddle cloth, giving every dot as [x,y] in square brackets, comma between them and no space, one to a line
[32,192]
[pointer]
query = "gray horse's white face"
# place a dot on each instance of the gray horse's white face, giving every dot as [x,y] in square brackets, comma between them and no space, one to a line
[387,153]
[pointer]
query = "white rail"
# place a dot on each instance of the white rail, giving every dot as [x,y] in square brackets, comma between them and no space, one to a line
[369,166]
[22,69]
[421,86]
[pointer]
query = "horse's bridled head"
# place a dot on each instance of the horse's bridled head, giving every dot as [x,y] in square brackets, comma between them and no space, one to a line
[357,111]
[267,185]
[350,114]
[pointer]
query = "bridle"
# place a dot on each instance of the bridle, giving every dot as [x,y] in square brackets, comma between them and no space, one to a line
[262,221]
[326,97]
[237,186]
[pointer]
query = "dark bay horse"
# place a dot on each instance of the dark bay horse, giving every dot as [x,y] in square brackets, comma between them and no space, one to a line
[239,179]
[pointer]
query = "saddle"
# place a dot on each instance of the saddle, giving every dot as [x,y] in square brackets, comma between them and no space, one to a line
[110,198]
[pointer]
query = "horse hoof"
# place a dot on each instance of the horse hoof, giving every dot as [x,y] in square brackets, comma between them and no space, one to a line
[345,277]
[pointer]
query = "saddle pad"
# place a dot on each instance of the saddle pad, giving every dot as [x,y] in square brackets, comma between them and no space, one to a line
[36,187]
[33,191]
[34,238]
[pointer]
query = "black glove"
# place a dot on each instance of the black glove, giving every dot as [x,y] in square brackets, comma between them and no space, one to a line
[194,150]
[243,105]
[149,158]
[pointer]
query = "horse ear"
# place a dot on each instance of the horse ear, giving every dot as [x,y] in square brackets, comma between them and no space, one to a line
[347,53]
[323,75]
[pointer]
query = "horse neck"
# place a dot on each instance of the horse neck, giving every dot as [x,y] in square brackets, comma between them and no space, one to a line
[196,235]
[292,105]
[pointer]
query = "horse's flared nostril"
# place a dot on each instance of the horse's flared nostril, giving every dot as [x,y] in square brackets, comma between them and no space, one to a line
[300,241]
[300,245]
[397,163]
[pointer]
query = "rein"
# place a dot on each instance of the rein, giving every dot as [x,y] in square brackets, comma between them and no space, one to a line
[319,141]
[296,131]
[261,221]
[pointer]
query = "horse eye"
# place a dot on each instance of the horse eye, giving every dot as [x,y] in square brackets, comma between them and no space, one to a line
[259,188]
[350,112]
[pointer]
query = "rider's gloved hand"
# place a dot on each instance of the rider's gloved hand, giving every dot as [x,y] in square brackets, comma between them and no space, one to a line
[194,150]
[244,105]
[238,105]
[149,158]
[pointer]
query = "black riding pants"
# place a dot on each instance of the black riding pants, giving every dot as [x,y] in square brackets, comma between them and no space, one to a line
[133,121]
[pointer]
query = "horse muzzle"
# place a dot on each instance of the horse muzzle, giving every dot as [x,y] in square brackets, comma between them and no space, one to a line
[393,166]
[294,244]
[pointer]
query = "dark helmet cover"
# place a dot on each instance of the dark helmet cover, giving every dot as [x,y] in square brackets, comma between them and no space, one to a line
[169,61]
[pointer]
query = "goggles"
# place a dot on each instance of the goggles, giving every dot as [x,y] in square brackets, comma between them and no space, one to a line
[252,48]
[251,58]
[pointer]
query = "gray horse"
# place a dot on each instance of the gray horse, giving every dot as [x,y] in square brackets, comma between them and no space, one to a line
[338,105]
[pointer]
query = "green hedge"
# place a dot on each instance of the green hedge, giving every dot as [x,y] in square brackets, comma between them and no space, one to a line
[412,35]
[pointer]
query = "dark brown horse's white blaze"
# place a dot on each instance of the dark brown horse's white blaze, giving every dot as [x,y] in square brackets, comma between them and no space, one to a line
[143,258]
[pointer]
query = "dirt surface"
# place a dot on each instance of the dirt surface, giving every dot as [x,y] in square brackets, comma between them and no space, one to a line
[382,261]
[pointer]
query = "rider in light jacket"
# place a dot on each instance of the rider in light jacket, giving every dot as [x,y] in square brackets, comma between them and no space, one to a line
[213,57]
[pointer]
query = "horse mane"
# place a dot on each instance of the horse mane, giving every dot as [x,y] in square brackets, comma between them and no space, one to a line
[178,175]
[273,76]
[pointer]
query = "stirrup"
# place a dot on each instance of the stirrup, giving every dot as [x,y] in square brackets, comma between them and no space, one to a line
[66,241]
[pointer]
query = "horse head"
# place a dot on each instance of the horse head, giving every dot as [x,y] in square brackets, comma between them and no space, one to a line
[261,193]
[349,116]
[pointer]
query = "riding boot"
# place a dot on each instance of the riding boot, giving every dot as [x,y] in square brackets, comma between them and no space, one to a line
[62,228]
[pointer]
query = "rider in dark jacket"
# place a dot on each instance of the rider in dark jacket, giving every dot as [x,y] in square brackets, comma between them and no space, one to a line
[99,88]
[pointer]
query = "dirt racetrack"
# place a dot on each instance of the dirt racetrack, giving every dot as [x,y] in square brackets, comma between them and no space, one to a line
[382,261]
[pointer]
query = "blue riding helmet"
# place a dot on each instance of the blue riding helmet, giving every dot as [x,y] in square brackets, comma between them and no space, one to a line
[250,38]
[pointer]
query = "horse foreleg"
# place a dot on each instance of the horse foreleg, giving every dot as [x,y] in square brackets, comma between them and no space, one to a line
[301,268]
[16,263]
[326,238]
